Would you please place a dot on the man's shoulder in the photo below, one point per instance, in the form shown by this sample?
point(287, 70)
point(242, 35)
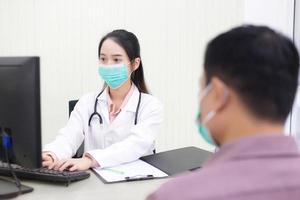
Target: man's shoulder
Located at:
point(232, 179)
point(186, 186)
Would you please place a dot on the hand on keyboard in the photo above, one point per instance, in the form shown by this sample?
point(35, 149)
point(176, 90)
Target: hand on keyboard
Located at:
point(48, 160)
point(43, 174)
point(74, 164)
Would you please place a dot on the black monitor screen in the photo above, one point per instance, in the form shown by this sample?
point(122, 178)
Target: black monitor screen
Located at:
point(20, 110)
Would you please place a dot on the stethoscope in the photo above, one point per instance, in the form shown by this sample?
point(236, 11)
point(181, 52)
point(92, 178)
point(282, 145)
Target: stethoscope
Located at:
point(95, 113)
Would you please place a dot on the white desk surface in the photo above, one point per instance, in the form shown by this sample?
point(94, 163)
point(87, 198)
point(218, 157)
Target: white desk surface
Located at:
point(91, 188)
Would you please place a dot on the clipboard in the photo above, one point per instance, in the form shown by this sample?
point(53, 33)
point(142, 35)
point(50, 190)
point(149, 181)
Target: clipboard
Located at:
point(177, 161)
point(133, 171)
point(159, 165)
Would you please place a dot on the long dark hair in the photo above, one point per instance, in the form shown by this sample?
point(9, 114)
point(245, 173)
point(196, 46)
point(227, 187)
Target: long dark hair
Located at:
point(129, 42)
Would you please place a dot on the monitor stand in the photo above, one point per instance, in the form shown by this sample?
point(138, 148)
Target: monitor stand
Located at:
point(8, 188)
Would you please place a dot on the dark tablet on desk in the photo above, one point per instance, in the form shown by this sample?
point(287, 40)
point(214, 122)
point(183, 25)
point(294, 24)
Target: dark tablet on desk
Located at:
point(178, 160)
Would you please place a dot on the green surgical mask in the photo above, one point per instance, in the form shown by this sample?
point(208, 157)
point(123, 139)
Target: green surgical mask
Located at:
point(202, 129)
point(114, 75)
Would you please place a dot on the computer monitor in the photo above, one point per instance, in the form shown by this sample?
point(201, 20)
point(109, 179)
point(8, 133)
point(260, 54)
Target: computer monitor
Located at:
point(20, 114)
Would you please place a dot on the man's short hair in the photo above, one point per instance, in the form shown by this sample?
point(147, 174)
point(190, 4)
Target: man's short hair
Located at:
point(260, 65)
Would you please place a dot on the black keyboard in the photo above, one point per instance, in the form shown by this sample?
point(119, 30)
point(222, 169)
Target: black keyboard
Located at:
point(43, 174)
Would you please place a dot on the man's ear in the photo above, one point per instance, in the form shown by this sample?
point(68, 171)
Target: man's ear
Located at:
point(221, 93)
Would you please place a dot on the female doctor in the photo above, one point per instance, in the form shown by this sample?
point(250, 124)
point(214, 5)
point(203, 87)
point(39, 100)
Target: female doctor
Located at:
point(119, 123)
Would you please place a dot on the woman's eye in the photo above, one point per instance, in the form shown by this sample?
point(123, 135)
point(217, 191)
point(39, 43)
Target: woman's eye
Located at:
point(102, 59)
point(117, 60)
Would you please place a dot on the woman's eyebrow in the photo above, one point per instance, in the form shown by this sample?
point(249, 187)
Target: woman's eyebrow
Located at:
point(117, 55)
point(114, 55)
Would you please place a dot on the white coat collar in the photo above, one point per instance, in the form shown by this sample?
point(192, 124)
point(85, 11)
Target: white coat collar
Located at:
point(131, 104)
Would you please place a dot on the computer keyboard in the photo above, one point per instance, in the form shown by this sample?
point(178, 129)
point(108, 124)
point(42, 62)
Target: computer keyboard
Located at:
point(43, 174)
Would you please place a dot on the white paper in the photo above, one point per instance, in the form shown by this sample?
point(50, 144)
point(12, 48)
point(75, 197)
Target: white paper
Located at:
point(132, 169)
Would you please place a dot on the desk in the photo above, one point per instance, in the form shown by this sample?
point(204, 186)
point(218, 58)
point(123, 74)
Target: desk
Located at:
point(91, 188)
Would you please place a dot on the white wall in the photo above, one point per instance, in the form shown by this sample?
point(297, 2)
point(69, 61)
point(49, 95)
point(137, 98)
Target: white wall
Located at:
point(277, 14)
point(65, 34)
point(297, 24)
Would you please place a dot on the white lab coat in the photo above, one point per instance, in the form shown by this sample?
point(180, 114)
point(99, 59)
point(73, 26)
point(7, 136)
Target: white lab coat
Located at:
point(114, 143)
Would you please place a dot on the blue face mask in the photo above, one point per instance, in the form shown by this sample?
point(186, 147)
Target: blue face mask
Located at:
point(114, 75)
point(202, 129)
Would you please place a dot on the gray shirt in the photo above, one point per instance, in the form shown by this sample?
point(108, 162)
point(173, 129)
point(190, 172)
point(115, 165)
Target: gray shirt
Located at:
point(256, 167)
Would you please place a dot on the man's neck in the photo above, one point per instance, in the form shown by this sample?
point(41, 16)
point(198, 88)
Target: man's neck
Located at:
point(249, 128)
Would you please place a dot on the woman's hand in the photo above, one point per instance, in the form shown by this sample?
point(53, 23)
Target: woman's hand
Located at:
point(73, 164)
point(48, 160)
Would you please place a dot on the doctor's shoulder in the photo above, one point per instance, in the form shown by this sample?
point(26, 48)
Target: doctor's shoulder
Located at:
point(86, 102)
point(151, 103)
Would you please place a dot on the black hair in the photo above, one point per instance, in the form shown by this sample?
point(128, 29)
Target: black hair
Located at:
point(129, 42)
point(260, 65)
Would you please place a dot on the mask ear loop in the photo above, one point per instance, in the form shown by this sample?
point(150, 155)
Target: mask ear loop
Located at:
point(202, 95)
point(212, 113)
point(209, 116)
point(226, 98)
point(205, 91)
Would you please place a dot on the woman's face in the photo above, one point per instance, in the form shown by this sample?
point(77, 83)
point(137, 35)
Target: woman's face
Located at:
point(112, 53)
